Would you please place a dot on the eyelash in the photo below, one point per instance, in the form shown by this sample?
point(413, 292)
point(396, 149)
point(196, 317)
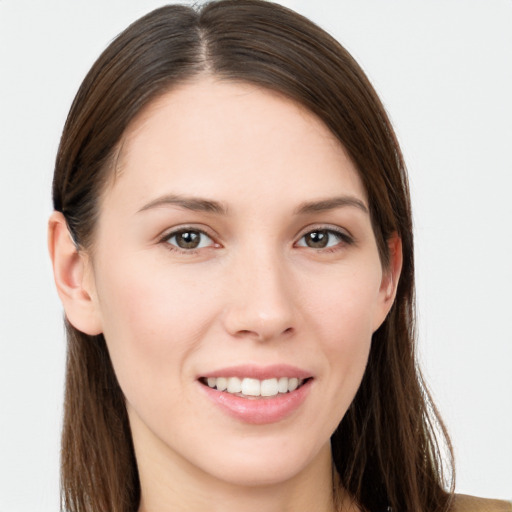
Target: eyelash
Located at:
point(343, 239)
point(174, 248)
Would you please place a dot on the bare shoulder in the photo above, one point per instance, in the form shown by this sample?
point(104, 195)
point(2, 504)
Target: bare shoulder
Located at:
point(465, 503)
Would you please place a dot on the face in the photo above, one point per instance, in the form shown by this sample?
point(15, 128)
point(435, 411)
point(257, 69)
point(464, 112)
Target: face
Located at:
point(234, 249)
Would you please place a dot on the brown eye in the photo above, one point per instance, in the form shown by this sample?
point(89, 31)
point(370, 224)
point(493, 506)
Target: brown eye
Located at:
point(317, 239)
point(323, 238)
point(189, 239)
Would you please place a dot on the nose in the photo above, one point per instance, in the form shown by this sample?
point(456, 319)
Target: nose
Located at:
point(261, 298)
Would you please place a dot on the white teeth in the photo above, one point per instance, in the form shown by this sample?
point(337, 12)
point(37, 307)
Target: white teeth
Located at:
point(293, 384)
point(269, 387)
point(251, 387)
point(234, 385)
point(254, 387)
point(222, 383)
point(282, 385)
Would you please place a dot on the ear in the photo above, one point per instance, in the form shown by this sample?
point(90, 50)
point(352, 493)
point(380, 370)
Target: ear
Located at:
point(70, 273)
point(390, 278)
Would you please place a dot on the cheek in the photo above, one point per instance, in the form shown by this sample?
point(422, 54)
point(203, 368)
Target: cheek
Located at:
point(346, 305)
point(151, 322)
point(343, 315)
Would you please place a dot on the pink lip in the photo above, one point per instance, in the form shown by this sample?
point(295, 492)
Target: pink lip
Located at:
point(260, 372)
point(263, 410)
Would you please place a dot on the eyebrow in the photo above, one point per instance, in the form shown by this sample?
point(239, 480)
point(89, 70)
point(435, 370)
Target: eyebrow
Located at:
point(199, 204)
point(330, 204)
point(196, 204)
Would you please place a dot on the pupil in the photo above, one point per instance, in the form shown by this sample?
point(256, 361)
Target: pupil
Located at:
point(317, 239)
point(188, 239)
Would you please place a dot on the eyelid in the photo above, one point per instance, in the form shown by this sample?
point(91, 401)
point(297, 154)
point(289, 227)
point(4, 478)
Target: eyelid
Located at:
point(325, 227)
point(176, 230)
point(344, 234)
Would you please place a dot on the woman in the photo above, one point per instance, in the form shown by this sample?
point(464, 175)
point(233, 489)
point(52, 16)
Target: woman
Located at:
point(232, 244)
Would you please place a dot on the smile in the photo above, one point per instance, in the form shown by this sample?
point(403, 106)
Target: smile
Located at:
point(258, 395)
point(253, 388)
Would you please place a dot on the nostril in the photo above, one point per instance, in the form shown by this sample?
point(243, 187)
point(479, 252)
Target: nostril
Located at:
point(264, 334)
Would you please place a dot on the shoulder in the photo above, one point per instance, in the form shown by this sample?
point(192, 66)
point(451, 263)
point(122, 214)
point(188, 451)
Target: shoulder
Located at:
point(465, 503)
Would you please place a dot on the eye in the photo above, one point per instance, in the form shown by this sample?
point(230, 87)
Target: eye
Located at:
point(189, 239)
point(323, 239)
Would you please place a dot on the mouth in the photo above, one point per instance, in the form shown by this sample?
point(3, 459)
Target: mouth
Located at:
point(255, 389)
point(258, 395)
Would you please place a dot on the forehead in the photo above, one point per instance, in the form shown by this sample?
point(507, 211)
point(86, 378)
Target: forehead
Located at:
point(234, 140)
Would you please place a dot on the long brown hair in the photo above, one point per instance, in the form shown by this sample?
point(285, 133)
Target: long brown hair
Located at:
point(391, 447)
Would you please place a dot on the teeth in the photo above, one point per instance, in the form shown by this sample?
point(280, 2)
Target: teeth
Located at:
point(293, 384)
point(254, 387)
point(222, 384)
point(282, 385)
point(251, 387)
point(269, 387)
point(234, 385)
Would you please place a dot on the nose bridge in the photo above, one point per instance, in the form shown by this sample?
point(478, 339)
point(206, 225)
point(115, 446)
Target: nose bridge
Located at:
point(261, 303)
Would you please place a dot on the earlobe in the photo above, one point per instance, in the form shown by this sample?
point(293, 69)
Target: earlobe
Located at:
point(390, 278)
point(69, 270)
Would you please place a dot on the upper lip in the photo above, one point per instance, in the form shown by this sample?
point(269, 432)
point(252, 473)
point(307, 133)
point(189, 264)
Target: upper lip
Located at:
point(259, 372)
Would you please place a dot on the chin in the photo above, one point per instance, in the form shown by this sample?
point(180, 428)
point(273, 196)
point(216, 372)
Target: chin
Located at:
point(262, 474)
point(259, 465)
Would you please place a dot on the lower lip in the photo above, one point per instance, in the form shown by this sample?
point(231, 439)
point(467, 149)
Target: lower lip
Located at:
point(259, 411)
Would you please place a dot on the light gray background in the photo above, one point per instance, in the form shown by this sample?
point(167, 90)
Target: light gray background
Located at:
point(444, 71)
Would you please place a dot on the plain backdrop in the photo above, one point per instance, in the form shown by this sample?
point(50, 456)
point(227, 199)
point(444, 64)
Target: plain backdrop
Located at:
point(444, 71)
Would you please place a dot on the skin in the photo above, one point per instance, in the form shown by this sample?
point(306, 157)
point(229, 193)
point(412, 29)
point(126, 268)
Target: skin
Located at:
point(253, 292)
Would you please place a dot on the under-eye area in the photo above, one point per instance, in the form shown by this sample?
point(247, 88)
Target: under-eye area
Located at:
point(255, 388)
